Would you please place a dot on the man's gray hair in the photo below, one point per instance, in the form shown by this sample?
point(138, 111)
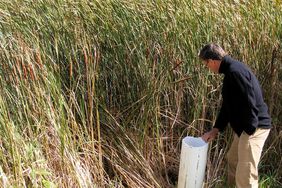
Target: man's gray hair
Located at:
point(212, 51)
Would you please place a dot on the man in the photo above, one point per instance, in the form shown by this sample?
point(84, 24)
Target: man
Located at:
point(244, 109)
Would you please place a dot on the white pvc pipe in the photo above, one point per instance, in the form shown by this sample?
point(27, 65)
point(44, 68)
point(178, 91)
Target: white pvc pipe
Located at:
point(193, 160)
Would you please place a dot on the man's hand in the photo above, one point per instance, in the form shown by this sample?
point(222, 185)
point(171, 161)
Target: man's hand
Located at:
point(209, 136)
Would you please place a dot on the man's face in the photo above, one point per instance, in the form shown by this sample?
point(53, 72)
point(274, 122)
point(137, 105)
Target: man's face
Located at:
point(212, 65)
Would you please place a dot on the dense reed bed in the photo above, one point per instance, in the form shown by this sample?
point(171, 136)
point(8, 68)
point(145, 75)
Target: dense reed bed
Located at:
point(100, 93)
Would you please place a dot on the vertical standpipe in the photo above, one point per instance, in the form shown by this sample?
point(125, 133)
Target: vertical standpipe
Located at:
point(193, 160)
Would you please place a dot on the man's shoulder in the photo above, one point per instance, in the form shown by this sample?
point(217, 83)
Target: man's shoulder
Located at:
point(239, 69)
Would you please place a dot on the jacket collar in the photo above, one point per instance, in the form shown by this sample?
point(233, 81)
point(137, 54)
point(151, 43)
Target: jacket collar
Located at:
point(225, 64)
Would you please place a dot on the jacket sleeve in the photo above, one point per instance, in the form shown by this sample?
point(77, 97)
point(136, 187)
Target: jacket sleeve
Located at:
point(246, 90)
point(222, 118)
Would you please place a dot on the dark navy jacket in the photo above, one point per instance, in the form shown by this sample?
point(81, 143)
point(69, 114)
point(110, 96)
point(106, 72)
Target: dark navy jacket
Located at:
point(243, 105)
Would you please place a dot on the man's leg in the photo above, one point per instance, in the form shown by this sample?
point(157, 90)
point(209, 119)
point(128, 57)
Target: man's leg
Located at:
point(249, 152)
point(232, 160)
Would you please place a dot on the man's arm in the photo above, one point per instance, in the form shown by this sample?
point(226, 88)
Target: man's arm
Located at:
point(220, 124)
point(222, 118)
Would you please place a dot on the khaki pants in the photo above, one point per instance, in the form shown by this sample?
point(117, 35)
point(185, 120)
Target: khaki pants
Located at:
point(243, 158)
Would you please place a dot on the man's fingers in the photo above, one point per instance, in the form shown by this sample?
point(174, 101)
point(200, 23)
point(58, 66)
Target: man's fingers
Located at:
point(205, 138)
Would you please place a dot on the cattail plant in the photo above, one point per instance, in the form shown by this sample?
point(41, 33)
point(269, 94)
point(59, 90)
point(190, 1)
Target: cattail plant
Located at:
point(100, 93)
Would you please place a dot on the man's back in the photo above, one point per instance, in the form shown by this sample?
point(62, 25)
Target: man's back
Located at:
point(242, 93)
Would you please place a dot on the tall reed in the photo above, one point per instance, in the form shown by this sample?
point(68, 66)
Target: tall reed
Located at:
point(100, 93)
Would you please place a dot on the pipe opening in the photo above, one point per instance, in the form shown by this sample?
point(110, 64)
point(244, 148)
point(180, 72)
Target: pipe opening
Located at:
point(194, 142)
